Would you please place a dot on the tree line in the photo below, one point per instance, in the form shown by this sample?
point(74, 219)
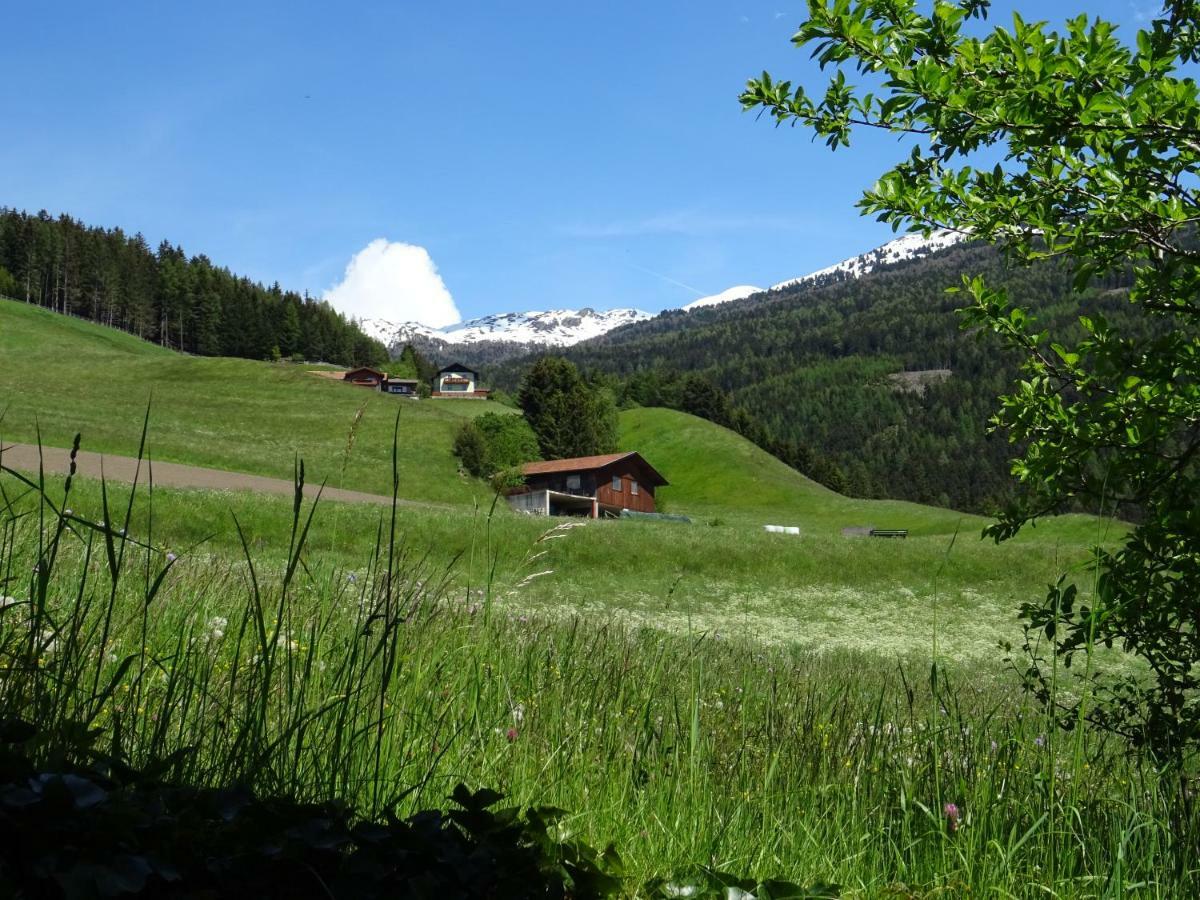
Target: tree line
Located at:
point(184, 302)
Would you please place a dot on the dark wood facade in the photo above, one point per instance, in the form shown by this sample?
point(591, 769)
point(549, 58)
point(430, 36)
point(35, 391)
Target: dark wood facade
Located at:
point(365, 376)
point(614, 482)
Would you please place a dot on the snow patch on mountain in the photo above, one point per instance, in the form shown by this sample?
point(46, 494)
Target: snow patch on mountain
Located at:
point(910, 246)
point(740, 292)
point(555, 327)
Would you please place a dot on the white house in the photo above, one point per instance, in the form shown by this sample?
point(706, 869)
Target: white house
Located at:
point(458, 381)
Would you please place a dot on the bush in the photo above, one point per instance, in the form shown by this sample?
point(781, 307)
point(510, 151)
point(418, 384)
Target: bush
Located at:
point(494, 442)
point(471, 449)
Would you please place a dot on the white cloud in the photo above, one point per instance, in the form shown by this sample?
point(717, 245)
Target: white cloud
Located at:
point(394, 281)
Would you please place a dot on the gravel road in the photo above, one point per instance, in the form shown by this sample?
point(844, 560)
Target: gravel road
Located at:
point(24, 457)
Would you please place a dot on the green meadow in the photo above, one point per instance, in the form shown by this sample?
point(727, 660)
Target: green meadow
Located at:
point(63, 376)
point(722, 574)
point(703, 695)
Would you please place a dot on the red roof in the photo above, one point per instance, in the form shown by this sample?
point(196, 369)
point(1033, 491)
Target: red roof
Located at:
point(589, 463)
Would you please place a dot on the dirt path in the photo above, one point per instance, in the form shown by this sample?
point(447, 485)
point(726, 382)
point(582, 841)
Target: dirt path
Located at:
point(124, 468)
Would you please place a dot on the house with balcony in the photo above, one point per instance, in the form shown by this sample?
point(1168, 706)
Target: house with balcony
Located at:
point(591, 486)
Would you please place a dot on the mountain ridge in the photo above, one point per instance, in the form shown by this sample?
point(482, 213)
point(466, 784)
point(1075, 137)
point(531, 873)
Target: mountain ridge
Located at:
point(553, 327)
point(527, 331)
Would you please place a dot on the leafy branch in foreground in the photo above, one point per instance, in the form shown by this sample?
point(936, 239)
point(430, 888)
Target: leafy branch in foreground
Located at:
point(1075, 146)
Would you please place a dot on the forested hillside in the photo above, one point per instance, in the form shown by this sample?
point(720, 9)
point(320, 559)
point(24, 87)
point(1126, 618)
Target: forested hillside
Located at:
point(818, 365)
point(187, 303)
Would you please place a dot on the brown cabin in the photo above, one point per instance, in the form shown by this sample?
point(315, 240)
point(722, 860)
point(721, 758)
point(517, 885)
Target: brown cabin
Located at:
point(591, 486)
point(365, 376)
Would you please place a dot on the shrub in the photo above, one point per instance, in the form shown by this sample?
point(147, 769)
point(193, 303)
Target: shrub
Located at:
point(494, 442)
point(470, 447)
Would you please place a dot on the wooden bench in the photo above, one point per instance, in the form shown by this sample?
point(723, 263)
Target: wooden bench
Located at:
point(889, 532)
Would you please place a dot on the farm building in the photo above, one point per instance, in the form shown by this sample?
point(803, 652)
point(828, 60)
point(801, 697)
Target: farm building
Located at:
point(591, 486)
point(458, 381)
point(365, 376)
point(404, 387)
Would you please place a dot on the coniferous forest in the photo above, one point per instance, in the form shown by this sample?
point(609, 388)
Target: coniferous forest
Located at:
point(869, 385)
point(188, 303)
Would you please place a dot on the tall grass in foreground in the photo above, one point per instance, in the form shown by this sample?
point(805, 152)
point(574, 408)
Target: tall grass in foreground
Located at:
point(382, 687)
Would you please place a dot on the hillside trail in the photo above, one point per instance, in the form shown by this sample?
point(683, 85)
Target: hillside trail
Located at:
point(125, 469)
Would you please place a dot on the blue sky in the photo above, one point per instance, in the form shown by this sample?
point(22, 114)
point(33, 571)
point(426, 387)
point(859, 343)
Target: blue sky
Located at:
point(543, 155)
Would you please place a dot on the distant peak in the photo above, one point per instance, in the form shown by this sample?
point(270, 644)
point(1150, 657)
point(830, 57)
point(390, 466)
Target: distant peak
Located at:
point(906, 247)
point(553, 327)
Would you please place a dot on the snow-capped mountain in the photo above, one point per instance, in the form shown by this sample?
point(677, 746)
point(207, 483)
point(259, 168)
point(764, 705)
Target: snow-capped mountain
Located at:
point(556, 327)
point(511, 333)
point(910, 246)
point(734, 293)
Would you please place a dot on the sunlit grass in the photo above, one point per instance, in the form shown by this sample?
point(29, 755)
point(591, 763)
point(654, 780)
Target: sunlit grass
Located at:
point(385, 683)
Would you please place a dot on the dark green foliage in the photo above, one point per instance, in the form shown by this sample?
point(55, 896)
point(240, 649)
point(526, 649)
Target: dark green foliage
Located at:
point(808, 367)
point(411, 363)
point(1100, 146)
point(164, 296)
point(510, 440)
point(8, 284)
point(471, 449)
point(494, 442)
point(569, 416)
point(102, 830)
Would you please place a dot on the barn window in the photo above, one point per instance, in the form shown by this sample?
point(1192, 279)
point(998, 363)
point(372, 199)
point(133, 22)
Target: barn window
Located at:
point(616, 485)
point(633, 488)
point(572, 482)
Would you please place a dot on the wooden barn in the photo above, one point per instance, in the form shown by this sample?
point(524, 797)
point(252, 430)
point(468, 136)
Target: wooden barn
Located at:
point(365, 376)
point(592, 486)
point(457, 381)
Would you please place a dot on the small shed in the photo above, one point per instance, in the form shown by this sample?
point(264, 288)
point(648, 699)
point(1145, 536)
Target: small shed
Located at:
point(365, 376)
point(403, 387)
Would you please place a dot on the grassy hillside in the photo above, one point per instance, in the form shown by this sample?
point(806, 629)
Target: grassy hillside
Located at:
point(64, 375)
point(717, 474)
point(811, 363)
point(723, 573)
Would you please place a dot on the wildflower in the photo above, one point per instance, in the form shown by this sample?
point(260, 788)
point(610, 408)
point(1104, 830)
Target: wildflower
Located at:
point(518, 713)
point(68, 512)
point(950, 810)
point(351, 577)
point(171, 557)
point(511, 734)
point(1040, 740)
